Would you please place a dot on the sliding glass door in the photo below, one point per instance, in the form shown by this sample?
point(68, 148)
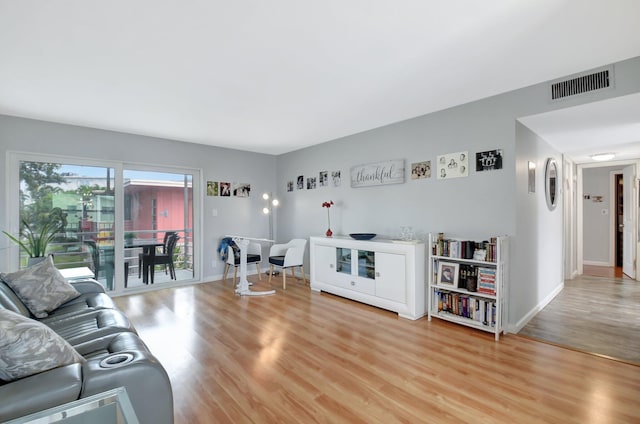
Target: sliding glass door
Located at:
point(158, 207)
point(74, 207)
point(130, 227)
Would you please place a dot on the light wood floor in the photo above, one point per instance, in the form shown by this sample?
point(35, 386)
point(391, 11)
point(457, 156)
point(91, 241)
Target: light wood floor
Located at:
point(600, 315)
point(305, 357)
point(603, 271)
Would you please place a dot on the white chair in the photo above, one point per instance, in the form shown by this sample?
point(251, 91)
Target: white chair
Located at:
point(289, 255)
point(254, 255)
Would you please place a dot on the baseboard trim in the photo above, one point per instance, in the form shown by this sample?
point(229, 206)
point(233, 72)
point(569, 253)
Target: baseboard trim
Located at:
point(515, 328)
point(596, 263)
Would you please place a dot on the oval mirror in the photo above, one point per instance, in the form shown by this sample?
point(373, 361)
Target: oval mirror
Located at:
point(551, 183)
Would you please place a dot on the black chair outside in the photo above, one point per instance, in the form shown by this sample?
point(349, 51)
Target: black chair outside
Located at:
point(152, 259)
point(165, 242)
point(104, 262)
point(95, 256)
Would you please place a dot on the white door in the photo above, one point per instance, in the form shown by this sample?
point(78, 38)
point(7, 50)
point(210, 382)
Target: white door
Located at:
point(628, 233)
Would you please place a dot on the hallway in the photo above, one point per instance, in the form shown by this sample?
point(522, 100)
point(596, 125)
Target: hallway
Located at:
point(594, 314)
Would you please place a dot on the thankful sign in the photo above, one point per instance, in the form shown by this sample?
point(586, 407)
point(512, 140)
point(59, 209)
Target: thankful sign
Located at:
point(379, 173)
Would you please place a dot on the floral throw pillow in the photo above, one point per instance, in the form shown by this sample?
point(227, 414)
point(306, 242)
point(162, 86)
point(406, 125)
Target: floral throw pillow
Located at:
point(41, 287)
point(29, 347)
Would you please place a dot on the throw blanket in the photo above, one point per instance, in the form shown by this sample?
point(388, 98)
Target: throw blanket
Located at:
point(223, 249)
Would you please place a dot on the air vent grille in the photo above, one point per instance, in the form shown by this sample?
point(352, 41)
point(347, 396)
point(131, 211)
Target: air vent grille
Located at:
point(582, 84)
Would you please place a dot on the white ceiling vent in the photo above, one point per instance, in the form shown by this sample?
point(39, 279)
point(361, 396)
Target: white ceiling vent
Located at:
point(582, 84)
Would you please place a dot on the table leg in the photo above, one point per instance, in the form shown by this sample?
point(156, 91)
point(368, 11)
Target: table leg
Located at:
point(243, 285)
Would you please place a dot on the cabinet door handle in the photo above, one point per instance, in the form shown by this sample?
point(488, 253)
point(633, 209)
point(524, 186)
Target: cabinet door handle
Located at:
point(377, 274)
point(330, 265)
point(353, 283)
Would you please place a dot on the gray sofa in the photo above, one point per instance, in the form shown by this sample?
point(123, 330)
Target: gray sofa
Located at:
point(110, 352)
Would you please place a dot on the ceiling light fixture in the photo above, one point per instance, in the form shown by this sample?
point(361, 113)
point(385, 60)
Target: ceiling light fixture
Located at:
point(603, 156)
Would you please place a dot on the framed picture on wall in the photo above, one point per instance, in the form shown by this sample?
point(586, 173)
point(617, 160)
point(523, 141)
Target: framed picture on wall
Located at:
point(336, 178)
point(453, 165)
point(225, 188)
point(323, 178)
point(212, 188)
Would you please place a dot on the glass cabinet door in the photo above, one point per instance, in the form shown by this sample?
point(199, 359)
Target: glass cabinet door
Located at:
point(343, 260)
point(366, 264)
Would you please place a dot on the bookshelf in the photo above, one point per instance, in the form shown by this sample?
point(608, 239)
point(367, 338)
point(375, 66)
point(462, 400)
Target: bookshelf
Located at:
point(467, 282)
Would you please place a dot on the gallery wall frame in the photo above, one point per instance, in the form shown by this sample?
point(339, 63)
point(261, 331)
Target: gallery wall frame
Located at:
point(453, 165)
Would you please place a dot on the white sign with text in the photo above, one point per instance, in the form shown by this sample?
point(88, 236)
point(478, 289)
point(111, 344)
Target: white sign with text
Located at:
point(379, 173)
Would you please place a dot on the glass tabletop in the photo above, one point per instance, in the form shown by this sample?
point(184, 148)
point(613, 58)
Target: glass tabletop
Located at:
point(111, 407)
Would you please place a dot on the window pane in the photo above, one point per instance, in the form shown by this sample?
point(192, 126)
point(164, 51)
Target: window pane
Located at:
point(73, 208)
point(159, 204)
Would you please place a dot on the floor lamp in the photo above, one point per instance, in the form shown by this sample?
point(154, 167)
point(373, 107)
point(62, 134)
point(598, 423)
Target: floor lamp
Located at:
point(271, 203)
point(269, 210)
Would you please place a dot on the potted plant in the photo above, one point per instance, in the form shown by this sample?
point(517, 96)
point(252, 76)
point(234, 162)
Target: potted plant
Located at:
point(34, 239)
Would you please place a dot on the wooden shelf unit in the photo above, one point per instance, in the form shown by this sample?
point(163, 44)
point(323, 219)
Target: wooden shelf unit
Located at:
point(467, 307)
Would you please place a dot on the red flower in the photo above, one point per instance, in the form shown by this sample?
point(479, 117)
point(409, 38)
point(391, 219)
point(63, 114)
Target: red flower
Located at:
point(327, 204)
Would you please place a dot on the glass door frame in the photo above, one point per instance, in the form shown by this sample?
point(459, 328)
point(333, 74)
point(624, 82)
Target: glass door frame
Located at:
point(12, 208)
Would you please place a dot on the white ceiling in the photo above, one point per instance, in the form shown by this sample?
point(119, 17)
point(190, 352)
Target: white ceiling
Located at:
point(279, 75)
point(609, 126)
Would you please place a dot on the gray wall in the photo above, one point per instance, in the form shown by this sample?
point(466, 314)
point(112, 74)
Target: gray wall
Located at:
point(596, 226)
point(479, 206)
point(235, 215)
point(537, 249)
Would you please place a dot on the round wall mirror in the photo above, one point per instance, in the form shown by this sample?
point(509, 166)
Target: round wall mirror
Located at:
point(551, 183)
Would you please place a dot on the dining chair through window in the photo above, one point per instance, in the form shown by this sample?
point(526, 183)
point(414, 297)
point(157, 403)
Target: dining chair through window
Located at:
point(165, 241)
point(150, 260)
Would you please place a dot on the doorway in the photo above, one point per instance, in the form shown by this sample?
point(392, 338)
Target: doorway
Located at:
point(606, 221)
point(618, 182)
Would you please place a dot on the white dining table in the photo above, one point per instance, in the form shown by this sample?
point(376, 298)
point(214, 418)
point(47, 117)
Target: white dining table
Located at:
point(242, 288)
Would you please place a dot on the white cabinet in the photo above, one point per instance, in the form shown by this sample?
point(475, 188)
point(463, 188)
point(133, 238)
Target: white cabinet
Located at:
point(384, 273)
point(390, 269)
point(467, 289)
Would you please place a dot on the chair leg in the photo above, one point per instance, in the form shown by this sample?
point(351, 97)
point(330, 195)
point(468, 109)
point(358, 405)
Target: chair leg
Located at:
point(304, 278)
point(258, 268)
point(284, 279)
point(226, 270)
point(235, 274)
point(270, 271)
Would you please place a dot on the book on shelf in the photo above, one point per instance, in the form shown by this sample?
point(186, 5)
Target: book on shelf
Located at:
point(485, 250)
point(482, 311)
point(467, 277)
point(487, 280)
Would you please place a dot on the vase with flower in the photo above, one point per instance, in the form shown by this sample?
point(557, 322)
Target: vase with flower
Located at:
point(328, 205)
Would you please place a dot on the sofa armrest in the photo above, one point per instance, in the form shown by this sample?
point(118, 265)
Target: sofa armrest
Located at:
point(140, 373)
point(88, 286)
point(40, 391)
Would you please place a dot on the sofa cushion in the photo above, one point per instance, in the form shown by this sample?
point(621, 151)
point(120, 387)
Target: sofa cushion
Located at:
point(9, 300)
point(89, 325)
point(29, 347)
point(41, 287)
